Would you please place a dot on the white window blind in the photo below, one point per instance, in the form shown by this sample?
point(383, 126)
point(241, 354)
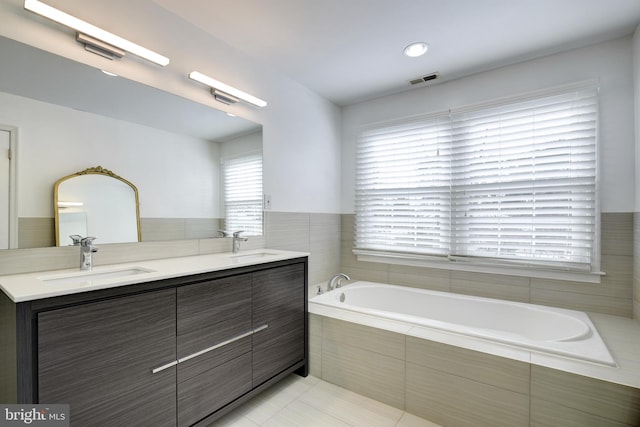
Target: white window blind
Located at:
point(402, 188)
point(514, 182)
point(242, 182)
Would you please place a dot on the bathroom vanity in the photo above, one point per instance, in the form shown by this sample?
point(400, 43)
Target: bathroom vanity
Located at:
point(179, 343)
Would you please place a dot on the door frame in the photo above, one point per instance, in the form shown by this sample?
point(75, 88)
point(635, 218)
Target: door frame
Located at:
point(13, 194)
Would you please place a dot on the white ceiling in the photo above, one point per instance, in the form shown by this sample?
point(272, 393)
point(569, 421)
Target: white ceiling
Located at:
point(351, 50)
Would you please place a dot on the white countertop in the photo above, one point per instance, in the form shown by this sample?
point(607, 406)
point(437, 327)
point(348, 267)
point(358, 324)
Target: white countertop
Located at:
point(32, 286)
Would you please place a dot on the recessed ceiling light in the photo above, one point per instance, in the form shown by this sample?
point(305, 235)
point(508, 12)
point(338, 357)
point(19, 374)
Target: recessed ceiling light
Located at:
point(416, 49)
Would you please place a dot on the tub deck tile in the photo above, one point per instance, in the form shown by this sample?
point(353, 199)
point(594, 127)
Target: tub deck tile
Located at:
point(485, 368)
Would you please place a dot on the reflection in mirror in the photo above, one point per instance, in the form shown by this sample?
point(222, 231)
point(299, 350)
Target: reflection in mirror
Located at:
point(59, 106)
point(96, 202)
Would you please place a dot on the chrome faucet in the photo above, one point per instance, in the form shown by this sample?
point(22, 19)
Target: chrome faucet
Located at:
point(336, 281)
point(236, 241)
point(86, 251)
point(75, 238)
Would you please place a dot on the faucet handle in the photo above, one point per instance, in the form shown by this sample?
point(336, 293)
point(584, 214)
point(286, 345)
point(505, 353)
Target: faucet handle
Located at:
point(76, 238)
point(237, 233)
point(87, 241)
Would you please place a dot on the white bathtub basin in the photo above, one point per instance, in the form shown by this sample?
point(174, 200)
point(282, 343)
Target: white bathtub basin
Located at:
point(548, 330)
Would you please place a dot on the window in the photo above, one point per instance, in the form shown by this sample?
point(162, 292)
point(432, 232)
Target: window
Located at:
point(242, 182)
point(507, 183)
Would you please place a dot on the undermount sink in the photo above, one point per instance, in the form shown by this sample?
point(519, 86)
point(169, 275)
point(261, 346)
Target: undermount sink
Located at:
point(253, 255)
point(91, 276)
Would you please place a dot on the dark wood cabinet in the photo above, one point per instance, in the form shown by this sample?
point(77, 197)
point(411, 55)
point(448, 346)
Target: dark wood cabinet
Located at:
point(279, 302)
point(98, 358)
point(214, 345)
point(176, 352)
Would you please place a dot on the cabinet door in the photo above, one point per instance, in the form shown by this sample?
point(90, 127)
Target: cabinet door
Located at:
point(98, 357)
point(278, 302)
point(214, 345)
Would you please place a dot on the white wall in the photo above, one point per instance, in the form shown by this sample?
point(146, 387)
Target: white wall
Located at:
point(301, 129)
point(242, 145)
point(177, 178)
point(610, 62)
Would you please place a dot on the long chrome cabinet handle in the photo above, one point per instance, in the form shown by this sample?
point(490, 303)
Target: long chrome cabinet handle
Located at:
point(163, 367)
point(260, 328)
point(208, 349)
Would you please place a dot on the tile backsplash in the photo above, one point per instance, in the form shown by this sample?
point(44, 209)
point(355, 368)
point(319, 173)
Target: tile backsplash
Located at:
point(614, 295)
point(329, 240)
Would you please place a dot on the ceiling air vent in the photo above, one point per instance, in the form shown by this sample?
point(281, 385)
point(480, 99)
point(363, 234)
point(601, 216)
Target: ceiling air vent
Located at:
point(423, 79)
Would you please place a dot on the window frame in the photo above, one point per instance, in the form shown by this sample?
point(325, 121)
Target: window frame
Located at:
point(527, 268)
point(252, 230)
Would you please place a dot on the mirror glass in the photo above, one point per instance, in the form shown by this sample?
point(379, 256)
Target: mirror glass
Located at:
point(96, 202)
point(70, 117)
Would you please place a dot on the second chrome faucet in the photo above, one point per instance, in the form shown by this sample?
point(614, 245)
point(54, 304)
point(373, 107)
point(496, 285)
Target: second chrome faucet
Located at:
point(236, 241)
point(86, 253)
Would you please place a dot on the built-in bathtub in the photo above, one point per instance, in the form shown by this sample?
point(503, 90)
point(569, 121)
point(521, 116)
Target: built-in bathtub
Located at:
point(459, 360)
point(541, 329)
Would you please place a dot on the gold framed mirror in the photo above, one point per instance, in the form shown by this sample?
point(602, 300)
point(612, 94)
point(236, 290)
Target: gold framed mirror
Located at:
point(96, 202)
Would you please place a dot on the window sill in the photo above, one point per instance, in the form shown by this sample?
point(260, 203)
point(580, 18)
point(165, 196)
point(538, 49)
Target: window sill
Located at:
point(477, 267)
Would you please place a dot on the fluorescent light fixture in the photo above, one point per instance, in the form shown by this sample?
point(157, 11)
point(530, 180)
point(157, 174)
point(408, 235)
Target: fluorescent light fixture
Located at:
point(222, 87)
point(416, 49)
point(83, 27)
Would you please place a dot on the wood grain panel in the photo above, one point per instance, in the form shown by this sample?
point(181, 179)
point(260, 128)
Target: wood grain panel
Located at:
point(98, 357)
point(208, 303)
point(202, 395)
point(279, 301)
point(212, 312)
point(8, 351)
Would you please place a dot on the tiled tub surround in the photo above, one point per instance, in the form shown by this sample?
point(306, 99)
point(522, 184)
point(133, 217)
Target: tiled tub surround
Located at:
point(636, 265)
point(613, 296)
point(455, 386)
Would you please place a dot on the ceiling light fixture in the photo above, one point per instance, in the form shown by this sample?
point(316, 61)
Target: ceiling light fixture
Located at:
point(416, 49)
point(225, 93)
point(95, 39)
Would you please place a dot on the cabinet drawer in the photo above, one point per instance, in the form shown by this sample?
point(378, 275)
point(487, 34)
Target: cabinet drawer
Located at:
point(211, 312)
point(200, 364)
point(206, 393)
point(98, 358)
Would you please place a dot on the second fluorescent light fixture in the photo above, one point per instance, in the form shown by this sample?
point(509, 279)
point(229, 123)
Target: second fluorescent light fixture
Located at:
point(83, 27)
point(222, 87)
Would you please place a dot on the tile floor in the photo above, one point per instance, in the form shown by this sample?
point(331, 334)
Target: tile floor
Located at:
point(311, 402)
